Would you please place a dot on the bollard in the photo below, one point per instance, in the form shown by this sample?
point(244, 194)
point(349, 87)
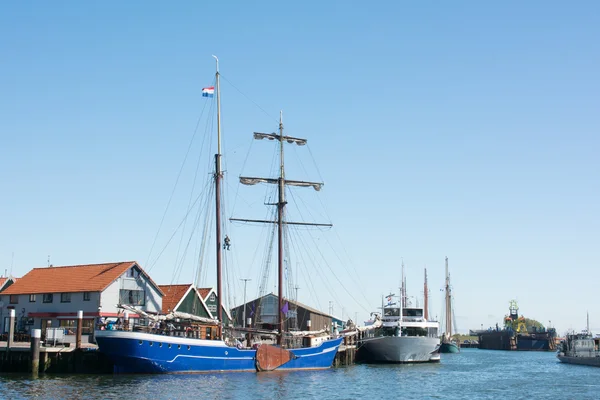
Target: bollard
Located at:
point(79, 329)
point(11, 330)
point(36, 334)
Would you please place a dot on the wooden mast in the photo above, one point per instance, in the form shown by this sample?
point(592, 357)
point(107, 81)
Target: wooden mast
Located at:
point(218, 177)
point(280, 209)
point(281, 203)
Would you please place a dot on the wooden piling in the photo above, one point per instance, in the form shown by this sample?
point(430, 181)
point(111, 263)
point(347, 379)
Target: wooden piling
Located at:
point(11, 330)
point(79, 329)
point(36, 335)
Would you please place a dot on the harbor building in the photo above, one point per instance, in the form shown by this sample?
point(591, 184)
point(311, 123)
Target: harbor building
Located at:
point(262, 313)
point(50, 297)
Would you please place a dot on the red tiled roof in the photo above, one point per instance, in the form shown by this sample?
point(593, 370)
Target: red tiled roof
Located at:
point(173, 295)
point(204, 292)
point(69, 279)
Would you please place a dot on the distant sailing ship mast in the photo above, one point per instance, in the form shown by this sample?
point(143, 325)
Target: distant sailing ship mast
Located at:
point(281, 181)
point(426, 297)
point(447, 345)
point(403, 289)
point(448, 333)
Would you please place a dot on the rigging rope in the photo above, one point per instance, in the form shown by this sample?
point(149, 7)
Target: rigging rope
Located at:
point(247, 97)
point(208, 127)
point(162, 220)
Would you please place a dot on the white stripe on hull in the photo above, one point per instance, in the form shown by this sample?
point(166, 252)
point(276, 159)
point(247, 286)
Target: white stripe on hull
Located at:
point(153, 337)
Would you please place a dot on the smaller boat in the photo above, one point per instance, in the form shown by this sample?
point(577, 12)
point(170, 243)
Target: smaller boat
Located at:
point(580, 348)
point(448, 344)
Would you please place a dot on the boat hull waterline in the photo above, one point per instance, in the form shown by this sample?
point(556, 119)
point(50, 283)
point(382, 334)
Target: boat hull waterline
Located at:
point(449, 348)
point(400, 349)
point(139, 352)
point(589, 361)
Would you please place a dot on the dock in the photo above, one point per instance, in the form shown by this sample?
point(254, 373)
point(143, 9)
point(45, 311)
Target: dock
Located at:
point(346, 354)
point(56, 359)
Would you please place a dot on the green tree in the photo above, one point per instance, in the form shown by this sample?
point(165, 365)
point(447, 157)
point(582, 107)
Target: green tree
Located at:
point(532, 323)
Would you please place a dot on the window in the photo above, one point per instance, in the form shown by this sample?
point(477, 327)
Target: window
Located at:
point(212, 308)
point(86, 296)
point(412, 312)
point(65, 297)
point(133, 272)
point(213, 297)
point(14, 299)
point(47, 298)
point(132, 297)
point(32, 298)
point(70, 326)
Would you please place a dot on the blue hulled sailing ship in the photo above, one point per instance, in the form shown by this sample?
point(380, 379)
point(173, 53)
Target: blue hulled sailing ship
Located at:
point(202, 345)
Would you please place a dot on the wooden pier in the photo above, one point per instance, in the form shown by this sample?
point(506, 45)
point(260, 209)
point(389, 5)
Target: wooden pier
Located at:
point(61, 359)
point(346, 354)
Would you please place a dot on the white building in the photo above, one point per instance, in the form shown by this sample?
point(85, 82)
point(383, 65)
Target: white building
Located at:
point(50, 297)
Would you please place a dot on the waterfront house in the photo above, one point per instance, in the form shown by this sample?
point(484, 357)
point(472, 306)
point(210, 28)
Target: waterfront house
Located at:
point(183, 298)
point(263, 313)
point(6, 281)
point(209, 295)
point(51, 297)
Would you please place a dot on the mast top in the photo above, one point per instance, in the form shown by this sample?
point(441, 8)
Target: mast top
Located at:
point(217, 59)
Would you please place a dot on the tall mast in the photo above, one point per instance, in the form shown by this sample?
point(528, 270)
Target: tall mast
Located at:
point(280, 221)
point(448, 304)
point(280, 207)
point(403, 291)
point(218, 177)
point(588, 323)
point(426, 297)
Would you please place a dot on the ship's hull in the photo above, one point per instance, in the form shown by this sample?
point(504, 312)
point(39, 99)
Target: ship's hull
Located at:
point(449, 347)
point(591, 361)
point(534, 344)
point(399, 349)
point(496, 340)
point(507, 340)
point(138, 352)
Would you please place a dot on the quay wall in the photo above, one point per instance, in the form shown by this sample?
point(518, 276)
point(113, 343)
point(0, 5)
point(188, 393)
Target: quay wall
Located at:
point(55, 360)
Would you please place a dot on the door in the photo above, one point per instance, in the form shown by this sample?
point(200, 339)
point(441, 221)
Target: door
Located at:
point(46, 323)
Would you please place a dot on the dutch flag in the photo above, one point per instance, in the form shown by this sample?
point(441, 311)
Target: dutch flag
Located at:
point(208, 91)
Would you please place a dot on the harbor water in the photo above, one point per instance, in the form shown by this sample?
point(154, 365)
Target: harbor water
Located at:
point(471, 374)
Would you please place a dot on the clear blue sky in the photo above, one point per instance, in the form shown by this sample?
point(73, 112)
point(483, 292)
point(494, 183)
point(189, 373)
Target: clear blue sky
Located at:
point(462, 129)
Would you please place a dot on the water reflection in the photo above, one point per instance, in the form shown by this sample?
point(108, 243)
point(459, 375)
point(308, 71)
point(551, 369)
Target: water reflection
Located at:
point(472, 374)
